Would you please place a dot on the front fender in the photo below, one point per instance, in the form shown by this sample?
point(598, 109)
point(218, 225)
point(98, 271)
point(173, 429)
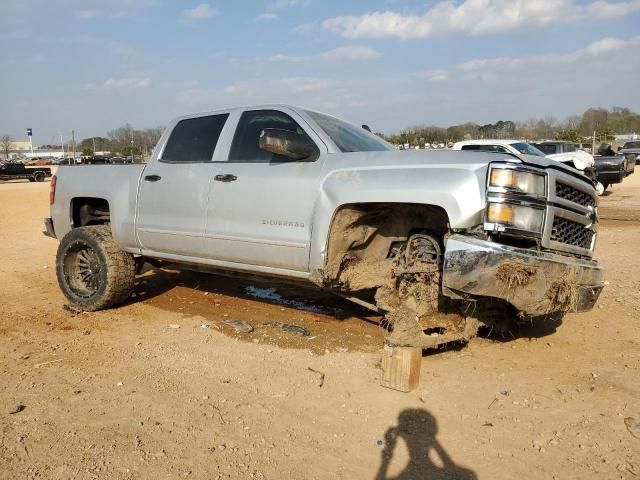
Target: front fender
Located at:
point(458, 190)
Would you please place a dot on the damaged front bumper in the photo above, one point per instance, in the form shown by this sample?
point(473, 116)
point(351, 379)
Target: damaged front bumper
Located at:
point(536, 283)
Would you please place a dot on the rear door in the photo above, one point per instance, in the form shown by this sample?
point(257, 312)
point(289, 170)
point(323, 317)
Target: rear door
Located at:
point(174, 190)
point(261, 204)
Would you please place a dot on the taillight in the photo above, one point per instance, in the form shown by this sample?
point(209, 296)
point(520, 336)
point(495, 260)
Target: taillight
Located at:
point(52, 192)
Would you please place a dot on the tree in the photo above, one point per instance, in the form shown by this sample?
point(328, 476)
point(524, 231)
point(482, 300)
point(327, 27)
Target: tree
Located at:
point(5, 144)
point(94, 144)
point(592, 120)
point(569, 135)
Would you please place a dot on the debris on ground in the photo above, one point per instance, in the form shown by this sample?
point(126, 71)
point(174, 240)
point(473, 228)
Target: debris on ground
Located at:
point(633, 425)
point(239, 325)
point(272, 295)
point(18, 408)
point(174, 326)
point(38, 365)
point(319, 373)
point(295, 329)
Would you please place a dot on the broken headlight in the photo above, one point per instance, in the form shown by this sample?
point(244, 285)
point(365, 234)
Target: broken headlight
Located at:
point(502, 216)
point(520, 181)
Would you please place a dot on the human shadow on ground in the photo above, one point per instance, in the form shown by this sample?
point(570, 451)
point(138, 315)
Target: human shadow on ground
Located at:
point(418, 429)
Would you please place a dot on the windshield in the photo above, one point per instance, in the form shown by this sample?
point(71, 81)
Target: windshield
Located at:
point(631, 145)
point(527, 149)
point(348, 137)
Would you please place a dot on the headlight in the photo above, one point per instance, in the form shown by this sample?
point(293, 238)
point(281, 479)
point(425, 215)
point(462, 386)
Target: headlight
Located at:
point(515, 216)
point(518, 180)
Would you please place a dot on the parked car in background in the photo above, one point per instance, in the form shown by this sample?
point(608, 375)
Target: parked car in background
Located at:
point(552, 147)
point(516, 147)
point(569, 157)
point(18, 171)
point(631, 148)
point(628, 159)
point(610, 169)
point(587, 147)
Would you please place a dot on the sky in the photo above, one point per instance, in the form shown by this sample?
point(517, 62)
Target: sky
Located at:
point(93, 65)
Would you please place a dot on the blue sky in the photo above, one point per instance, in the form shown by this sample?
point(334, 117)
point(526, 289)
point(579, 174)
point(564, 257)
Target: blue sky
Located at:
point(92, 65)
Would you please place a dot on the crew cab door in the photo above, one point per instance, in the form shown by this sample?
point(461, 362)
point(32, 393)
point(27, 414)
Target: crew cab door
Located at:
point(174, 189)
point(261, 204)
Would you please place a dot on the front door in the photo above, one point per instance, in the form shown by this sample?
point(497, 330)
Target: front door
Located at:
point(175, 188)
point(262, 203)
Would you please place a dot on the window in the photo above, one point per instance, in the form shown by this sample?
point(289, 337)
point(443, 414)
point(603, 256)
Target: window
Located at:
point(548, 149)
point(194, 139)
point(631, 145)
point(348, 137)
point(246, 141)
point(527, 149)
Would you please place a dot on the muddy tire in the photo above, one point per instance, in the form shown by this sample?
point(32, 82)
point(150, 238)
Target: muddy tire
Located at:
point(38, 177)
point(93, 273)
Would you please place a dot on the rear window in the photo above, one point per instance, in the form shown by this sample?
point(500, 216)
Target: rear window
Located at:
point(194, 139)
point(632, 145)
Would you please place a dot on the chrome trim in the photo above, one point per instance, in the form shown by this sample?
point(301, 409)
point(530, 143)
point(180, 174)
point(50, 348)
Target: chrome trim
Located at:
point(476, 268)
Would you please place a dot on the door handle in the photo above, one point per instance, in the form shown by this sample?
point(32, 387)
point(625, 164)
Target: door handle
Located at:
point(153, 178)
point(228, 177)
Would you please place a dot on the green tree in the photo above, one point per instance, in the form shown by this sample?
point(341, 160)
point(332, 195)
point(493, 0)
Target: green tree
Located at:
point(569, 135)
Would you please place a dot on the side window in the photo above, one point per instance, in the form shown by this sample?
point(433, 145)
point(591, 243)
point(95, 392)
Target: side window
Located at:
point(194, 139)
point(246, 141)
point(470, 147)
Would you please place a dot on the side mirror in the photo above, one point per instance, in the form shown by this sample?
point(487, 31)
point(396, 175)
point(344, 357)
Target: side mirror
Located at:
point(287, 143)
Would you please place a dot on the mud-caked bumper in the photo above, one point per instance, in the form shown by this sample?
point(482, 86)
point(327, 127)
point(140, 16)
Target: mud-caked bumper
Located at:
point(535, 283)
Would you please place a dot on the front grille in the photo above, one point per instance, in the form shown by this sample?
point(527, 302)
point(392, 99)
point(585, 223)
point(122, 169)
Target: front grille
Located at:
point(574, 195)
point(571, 233)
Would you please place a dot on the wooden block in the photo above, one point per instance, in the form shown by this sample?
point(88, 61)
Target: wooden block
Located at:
point(401, 367)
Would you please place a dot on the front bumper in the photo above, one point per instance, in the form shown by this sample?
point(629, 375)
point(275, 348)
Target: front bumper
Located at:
point(536, 283)
point(48, 228)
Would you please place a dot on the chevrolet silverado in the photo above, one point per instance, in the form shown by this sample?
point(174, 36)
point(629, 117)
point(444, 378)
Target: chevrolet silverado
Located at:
point(288, 192)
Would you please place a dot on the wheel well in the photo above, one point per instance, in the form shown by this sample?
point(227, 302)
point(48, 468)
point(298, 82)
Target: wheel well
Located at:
point(365, 233)
point(87, 211)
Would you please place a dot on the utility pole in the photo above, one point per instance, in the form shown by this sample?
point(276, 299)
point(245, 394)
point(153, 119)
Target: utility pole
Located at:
point(29, 133)
point(62, 144)
point(94, 145)
point(132, 146)
point(73, 143)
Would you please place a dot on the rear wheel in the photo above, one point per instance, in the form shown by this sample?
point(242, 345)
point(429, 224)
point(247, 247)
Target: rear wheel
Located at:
point(93, 273)
point(38, 177)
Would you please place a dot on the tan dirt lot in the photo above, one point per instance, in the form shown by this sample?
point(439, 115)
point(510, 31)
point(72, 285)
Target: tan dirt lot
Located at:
point(120, 394)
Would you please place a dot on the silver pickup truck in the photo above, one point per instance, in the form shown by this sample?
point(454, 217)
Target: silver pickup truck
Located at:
point(287, 192)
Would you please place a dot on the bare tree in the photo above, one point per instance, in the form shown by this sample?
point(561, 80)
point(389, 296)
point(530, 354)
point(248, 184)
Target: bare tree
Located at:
point(5, 144)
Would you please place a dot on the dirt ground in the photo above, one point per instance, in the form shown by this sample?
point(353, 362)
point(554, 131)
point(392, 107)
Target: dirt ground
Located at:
point(125, 394)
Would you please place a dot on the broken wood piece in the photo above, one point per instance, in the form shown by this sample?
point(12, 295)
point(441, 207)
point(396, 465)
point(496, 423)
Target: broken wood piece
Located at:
point(401, 367)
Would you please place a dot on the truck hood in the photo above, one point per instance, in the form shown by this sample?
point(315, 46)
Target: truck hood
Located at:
point(470, 160)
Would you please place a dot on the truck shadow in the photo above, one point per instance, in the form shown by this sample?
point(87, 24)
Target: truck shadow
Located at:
point(418, 429)
point(181, 290)
point(156, 282)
